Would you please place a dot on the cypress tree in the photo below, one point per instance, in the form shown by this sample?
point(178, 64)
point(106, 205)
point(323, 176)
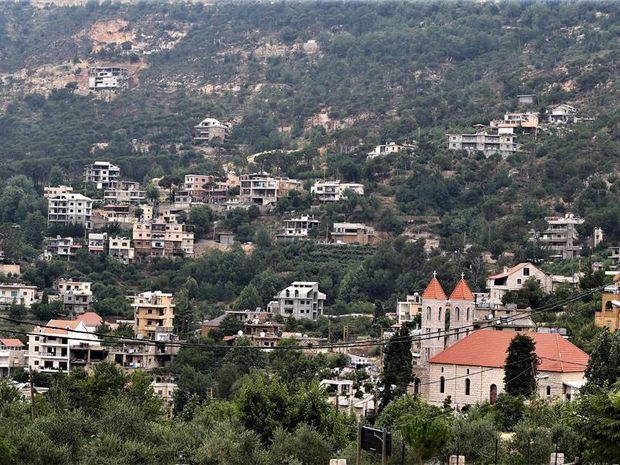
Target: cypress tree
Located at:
point(521, 367)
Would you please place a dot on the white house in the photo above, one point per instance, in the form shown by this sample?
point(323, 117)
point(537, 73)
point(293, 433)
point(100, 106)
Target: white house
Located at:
point(514, 279)
point(301, 300)
point(65, 209)
point(62, 345)
point(19, 294)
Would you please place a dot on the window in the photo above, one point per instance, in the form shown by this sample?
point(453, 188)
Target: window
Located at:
point(519, 281)
point(428, 313)
point(442, 385)
point(548, 390)
point(458, 313)
point(467, 386)
point(526, 271)
point(468, 315)
point(439, 316)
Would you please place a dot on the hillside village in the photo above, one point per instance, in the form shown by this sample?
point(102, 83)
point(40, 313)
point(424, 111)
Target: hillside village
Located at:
point(239, 253)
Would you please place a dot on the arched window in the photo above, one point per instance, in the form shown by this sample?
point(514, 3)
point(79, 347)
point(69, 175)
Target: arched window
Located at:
point(296, 293)
point(493, 393)
point(458, 313)
point(288, 293)
point(467, 313)
point(467, 386)
point(442, 385)
point(428, 313)
point(548, 390)
point(608, 305)
point(439, 317)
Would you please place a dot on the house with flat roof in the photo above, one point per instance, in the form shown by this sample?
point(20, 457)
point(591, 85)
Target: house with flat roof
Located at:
point(103, 174)
point(17, 294)
point(334, 191)
point(70, 208)
point(301, 300)
point(12, 356)
point(353, 233)
point(209, 129)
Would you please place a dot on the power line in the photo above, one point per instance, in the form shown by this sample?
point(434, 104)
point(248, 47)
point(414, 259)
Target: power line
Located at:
point(353, 344)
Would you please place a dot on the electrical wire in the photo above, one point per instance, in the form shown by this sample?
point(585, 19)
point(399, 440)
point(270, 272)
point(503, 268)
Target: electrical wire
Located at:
point(352, 344)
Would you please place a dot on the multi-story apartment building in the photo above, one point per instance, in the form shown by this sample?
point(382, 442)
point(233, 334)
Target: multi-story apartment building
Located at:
point(489, 144)
point(204, 188)
point(18, 294)
point(162, 239)
point(125, 192)
point(153, 313)
point(408, 309)
point(301, 300)
point(53, 191)
point(609, 314)
point(64, 248)
point(66, 209)
point(299, 228)
point(136, 355)
point(262, 189)
point(527, 122)
point(76, 296)
point(387, 149)
point(97, 243)
point(62, 345)
point(121, 249)
point(209, 129)
point(103, 174)
point(561, 237)
point(12, 356)
point(353, 233)
point(334, 191)
point(107, 78)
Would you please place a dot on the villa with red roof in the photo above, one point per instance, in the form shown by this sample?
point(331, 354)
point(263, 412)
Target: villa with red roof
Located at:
point(472, 370)
point(513, 279)
point(12, 355)
point(61, 345)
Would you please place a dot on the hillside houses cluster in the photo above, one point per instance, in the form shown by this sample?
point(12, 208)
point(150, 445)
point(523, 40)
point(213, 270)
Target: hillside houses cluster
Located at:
point(502, 136)
point(153, 227)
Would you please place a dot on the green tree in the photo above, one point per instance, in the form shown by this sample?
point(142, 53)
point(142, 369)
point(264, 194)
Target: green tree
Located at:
point(425, 436)
point(521, 367)
point(604, 363)
point(249, 299)
point(600, 425)
point(397, 366)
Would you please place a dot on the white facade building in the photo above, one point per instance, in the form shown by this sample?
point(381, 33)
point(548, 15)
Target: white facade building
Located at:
point(77, 296)
point(53, 191)
point(514, 279)
point(301, 300)
point(333, 191)
point(103, 174)
point(107, 78)
point(12, 356)
point(489, 144)
point(62, 345)
point(387, 149)
point(66, 209)
point(18, 294)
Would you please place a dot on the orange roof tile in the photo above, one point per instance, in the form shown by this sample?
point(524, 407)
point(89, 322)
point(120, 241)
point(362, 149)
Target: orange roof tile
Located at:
point(434, 290)
point(90, 319)
point(462, 292)
point(488, 348)
point(11, 342)
point(509, 271)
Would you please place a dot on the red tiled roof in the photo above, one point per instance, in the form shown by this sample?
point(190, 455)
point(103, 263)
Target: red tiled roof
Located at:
point(434, 290)
point(11, 342)
point(462, 291)
point(488, 348)
point(90, 319)
point(509, 271)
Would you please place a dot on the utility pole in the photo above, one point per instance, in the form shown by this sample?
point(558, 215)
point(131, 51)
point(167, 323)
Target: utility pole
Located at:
point(384, 448)
point(381, 345)
point(358, 458)
point(329, 334)
point(33, 411)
